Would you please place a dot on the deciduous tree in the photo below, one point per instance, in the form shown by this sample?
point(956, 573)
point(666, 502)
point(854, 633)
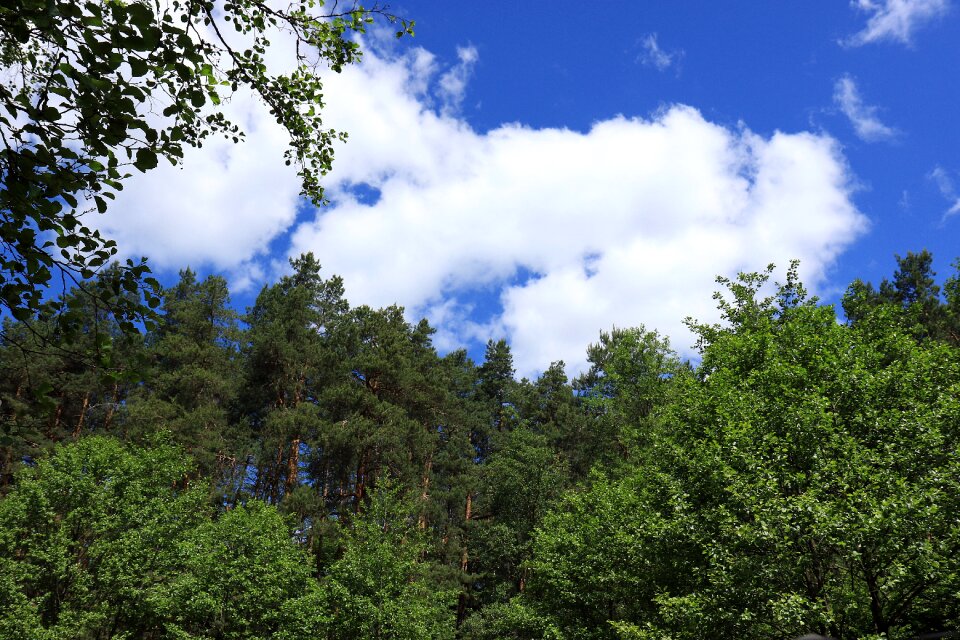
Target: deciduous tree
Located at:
point(95, 89)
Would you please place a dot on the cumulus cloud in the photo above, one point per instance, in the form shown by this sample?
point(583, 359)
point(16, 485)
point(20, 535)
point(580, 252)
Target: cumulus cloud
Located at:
point(653, 56)
point(895, 20)
point(220, 208)
point(626, 223)
point(863, 117)
point(947, 189)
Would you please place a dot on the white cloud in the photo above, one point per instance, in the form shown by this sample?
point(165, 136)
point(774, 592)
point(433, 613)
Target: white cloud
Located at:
point(947, 189)
point(452, 85)
point(221, 207)
point(863, 117)
point(895, 20)
point(654, 56)
point(624, 224)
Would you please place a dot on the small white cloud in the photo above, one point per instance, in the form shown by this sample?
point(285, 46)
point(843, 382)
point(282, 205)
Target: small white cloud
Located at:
point(895, 20)
point(863, 117)
point(452, 85)
point(947, 189)
point(904, 201)
point(653, 56)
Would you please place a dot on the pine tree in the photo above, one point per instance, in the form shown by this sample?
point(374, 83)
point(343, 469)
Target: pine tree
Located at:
point(191, 388)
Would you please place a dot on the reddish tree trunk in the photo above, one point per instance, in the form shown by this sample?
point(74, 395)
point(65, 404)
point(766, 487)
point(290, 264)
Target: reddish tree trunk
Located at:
point(83, 413)
point(425, 494)
point(464, 564)
point(293, 465)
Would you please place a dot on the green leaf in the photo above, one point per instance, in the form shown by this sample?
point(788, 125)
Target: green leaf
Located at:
point(51, 113)
point(146, 159)
point(138, 67)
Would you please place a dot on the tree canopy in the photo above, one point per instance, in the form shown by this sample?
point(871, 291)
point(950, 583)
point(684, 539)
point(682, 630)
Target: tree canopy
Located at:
point(803, 479)
point(314, 469)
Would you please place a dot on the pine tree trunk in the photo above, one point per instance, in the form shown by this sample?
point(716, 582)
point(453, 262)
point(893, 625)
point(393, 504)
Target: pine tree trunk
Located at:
point(464, 564)
point(5, 473)
point(57, 415)
point(326, 480)
point(83, 414)
point(275, 475)
point(241, 480)
point(425, 494)
point(361, 485)
point(293, 465)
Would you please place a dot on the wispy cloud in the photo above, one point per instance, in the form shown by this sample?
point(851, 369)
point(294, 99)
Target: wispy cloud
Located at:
point(863, 117)
point(452, 86)
point(653, 56)
point(947, 189)
point(895, 20)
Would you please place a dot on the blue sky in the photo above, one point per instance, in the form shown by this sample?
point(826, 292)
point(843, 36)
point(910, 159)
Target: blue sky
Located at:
point(770, 65)
point(543, 171)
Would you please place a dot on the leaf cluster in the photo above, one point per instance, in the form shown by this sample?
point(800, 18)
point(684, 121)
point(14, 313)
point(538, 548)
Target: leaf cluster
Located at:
point(95, 89)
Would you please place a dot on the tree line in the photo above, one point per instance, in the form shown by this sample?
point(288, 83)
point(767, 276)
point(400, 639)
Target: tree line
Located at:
point(312, 469)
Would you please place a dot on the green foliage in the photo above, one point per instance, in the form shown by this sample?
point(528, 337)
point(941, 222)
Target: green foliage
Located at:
point(50, 392)
point(606, 554)
point(802, 480)
point(803, 477)
point(192, 382)
point(914, 294)
point(82, 77)
point(292, 327)
point(630, 376)
point(105, 540)
point(516, 487)
point(89, 534)
point(377, 588)
point(238, 573)
point(513, 620)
